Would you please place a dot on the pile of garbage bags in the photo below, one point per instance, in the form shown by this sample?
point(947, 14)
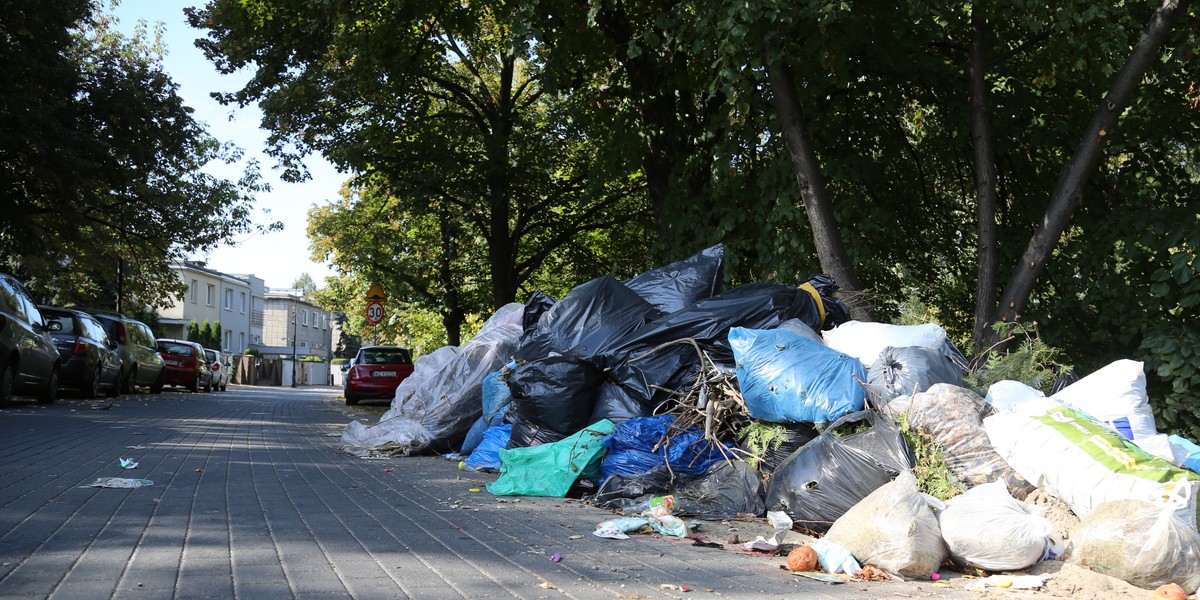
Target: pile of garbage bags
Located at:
point(612, 393)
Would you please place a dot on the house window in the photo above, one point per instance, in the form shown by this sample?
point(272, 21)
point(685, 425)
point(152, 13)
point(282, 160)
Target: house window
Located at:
point(324, 321)
point(208, 296)
point(304, 317)
point(228, 339)
point(228, 299)
point(241, 341)
point(243, 303)
point(192, 291)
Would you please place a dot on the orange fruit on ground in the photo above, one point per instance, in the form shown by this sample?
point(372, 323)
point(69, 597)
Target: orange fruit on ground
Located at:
point(803, 558)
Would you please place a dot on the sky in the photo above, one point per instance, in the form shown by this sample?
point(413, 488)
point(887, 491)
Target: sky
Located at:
point(276, 258)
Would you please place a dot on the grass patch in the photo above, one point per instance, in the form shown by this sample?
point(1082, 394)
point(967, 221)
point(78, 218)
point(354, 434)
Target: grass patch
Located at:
point(933, 476)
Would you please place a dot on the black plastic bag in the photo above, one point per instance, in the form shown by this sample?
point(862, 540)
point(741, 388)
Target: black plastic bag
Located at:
point(587, 321)
point(728, 490)
point(827, 476)
point(755, 305)
point(555, 392)
point(616, 405)
point(680, 284)
point(911, 370)
point(537, 305)
point(528, 433)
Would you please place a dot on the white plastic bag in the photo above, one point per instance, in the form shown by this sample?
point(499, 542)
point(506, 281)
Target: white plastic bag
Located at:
point(865, 341)
point(894, 529)
point(987, 529)
point(1083, 462)
point(1142, 543)
point(1012, 395)
point(1116, 395)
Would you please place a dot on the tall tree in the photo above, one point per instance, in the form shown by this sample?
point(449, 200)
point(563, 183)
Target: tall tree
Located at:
point(439, 101)
point(101, 163)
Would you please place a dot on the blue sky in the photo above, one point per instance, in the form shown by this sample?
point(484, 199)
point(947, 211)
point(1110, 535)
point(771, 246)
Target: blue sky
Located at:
point(278, 258)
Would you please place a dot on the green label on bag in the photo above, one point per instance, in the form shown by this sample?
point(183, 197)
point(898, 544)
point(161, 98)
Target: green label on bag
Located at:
point(1109, 448)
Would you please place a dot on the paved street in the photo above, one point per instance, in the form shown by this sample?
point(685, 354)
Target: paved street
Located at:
point(251, 499)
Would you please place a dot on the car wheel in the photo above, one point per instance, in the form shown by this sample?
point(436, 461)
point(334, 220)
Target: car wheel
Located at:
point(208, 387)
point(8, 378)
point(91, 388)
point(157, 386)
point(128, 380)
point(49, 393)
point(351, 399)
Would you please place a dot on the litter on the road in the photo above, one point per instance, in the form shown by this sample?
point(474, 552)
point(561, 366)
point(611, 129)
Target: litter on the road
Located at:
point(1015, 582)
point(128, 463)
point(120, 482)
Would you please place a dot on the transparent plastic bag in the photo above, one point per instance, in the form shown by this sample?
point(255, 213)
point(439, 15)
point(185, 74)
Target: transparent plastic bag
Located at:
point(1142, 543)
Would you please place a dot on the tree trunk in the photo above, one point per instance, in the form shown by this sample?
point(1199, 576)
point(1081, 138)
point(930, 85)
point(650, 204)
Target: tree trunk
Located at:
point(453, 313)
point(502, 246)
point(1068, 192)
point(830, 250)
point(985, 179)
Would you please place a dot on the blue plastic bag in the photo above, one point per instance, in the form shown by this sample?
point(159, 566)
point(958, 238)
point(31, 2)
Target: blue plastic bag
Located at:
point(496, 399)
point(486, 456)
point(786, 378)
point(631, 449)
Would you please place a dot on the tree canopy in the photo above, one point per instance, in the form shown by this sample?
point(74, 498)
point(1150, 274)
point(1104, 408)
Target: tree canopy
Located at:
point(1000, 162)
point(102, 179)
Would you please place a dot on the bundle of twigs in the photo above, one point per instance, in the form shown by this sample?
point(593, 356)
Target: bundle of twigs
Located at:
point(713, 403)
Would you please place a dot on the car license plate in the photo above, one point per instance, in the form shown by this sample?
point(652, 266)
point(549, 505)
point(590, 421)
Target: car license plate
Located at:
point(383, 374)
point(173, 363)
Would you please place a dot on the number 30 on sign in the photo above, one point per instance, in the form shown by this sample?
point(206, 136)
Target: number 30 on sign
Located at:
point(375, 312)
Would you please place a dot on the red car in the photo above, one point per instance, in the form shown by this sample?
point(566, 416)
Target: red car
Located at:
point(376, 372)
point(186, 366)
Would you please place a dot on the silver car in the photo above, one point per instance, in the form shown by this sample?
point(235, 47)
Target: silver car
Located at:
point(221, 367)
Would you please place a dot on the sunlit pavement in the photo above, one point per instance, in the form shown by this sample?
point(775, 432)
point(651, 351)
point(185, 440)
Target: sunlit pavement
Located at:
point(251, 499)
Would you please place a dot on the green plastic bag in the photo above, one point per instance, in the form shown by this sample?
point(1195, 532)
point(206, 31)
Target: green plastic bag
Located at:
point(551, 469)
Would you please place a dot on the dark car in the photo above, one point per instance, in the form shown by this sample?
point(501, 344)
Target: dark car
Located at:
point(28, 360)
point(376, 372)
point(89, 360)
point(141, 364)
point(186, 365)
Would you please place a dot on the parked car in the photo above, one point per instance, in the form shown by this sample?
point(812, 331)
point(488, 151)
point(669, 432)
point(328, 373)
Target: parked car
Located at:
point(187, 366)
point(141, 364)
point(89, 360)
point(219, 363)
point(375, 372)
point(28, 359)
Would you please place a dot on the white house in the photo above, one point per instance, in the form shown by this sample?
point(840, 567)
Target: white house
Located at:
point(215, 296)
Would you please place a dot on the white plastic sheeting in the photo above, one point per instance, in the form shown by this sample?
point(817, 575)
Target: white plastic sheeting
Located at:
point(865, 341)
point(436, 405)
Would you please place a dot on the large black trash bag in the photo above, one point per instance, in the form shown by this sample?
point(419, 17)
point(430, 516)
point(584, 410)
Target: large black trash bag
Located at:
point(827, 476)
point(836, 311)
point(557, 393)
point(911, 370)
point(587, 321)
point(536, 306)
point(616, 405)
point(680, 284)
point(755, 305)
point(728, 490)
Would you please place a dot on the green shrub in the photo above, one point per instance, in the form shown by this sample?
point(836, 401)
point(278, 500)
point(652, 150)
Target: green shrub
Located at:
point(1028, 360)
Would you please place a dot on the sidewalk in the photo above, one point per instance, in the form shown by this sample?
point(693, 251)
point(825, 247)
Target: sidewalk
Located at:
point(251, 499)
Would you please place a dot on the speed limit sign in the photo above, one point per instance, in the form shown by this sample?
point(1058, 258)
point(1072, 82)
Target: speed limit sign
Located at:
point(375, 312)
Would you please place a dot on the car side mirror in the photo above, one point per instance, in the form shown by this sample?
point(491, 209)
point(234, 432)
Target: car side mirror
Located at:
point(345, 366)
point(53, 326)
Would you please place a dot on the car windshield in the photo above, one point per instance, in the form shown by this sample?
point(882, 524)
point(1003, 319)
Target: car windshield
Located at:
point(65, 323)
point(384, 356)
point(176, 348)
